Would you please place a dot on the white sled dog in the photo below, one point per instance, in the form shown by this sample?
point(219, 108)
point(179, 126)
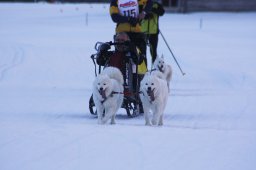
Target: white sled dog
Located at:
point(154, 96)
point(166, 69)
point(108, 94)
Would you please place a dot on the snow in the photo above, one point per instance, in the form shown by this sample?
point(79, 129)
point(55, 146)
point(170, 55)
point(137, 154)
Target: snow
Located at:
point(46, 77)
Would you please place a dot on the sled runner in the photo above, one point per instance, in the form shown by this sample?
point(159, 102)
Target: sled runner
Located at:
point(128, 65)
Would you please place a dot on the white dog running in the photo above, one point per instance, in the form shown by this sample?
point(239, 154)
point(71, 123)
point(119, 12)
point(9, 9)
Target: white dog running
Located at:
point(154, 97)
point(108, 94)
point(166, 69)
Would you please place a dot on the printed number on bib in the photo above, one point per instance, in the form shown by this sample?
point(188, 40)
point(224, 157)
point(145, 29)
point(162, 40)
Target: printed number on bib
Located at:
point(128, 8)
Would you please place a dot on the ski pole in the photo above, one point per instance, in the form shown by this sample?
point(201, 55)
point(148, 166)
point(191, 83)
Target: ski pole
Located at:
point(171, 53)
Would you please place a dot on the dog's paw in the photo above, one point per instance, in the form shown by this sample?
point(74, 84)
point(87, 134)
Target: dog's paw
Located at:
point(154, 122)
point(112, 122)
point(160, 124)
point(100, 122)
point(148, 124)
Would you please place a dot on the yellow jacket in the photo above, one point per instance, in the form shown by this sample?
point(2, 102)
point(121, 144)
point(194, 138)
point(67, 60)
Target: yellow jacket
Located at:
point(122, 21)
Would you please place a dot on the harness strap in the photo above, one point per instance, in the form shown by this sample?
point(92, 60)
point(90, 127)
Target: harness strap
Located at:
point(111, 95)
point(131, 93)
point(93, 59)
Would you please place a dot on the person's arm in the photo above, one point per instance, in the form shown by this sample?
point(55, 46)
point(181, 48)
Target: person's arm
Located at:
point(144, 8)
point(147, 8)
point(117, 18)
point(114, 13)
point(158, 9)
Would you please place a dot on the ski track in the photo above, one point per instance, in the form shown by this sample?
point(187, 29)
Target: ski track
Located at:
point(17, 56)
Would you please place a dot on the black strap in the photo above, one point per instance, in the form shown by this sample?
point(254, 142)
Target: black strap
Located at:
point(93, 60)
point(111, 95)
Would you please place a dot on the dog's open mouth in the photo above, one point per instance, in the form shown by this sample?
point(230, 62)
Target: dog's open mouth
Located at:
point(151, 94)
point(161, 68)
point(102, 93)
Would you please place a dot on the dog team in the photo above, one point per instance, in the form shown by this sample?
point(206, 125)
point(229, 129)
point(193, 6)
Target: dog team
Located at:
point(154, 88)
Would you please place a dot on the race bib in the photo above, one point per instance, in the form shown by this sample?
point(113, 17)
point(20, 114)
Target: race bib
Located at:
point(129, 8)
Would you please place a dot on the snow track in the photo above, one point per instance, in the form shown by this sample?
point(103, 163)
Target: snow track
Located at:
point(11, 56)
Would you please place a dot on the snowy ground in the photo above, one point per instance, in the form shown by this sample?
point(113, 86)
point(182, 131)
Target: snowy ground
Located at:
point(46, 78)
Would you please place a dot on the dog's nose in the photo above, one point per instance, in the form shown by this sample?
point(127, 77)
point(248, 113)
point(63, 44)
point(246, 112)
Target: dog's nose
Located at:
point(101, 88)
point(149, 88)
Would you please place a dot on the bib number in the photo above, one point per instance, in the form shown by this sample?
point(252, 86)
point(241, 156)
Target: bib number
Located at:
point(128, 8)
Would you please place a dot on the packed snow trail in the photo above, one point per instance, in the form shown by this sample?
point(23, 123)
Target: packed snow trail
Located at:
point(46, 77)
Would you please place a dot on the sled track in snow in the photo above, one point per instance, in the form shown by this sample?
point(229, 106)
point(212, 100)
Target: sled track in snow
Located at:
point(7, 63)
point(199, 92)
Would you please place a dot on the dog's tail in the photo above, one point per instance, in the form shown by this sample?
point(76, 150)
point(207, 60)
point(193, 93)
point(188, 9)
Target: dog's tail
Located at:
point(114, 73)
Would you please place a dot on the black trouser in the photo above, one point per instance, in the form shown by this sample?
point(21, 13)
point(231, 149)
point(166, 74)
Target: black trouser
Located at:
point(136, 81)
point(139, 40)
point(153, 41)
point(136, 88)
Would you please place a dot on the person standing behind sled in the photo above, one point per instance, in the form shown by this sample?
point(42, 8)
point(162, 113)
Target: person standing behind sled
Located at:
point(127, 14)
point(124, 51)
point(150, 26)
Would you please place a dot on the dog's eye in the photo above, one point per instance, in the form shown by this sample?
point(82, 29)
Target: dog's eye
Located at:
point(146, 83)
point(104, 84)
point(152, 83)
point(98, 83)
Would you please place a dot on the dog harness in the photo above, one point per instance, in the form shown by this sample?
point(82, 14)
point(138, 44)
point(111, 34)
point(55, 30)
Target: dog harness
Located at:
point(102, 93)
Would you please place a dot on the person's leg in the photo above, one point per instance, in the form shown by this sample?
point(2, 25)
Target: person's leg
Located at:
point(140, 77)
point(139, 40)
point(153, 40)
point(142, 44)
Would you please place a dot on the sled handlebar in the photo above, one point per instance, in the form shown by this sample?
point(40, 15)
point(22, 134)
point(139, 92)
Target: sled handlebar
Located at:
point(106, 45)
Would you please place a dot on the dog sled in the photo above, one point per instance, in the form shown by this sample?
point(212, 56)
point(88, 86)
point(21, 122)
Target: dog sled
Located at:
point(101, 59)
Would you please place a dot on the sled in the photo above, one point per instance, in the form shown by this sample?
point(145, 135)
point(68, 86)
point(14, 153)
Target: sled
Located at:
point(131, 102)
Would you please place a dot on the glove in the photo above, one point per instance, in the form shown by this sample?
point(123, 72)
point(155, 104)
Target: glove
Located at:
point(149, 16)
point(133, 21)
point(155, 10)
point(104, 47)
point(132, 47)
